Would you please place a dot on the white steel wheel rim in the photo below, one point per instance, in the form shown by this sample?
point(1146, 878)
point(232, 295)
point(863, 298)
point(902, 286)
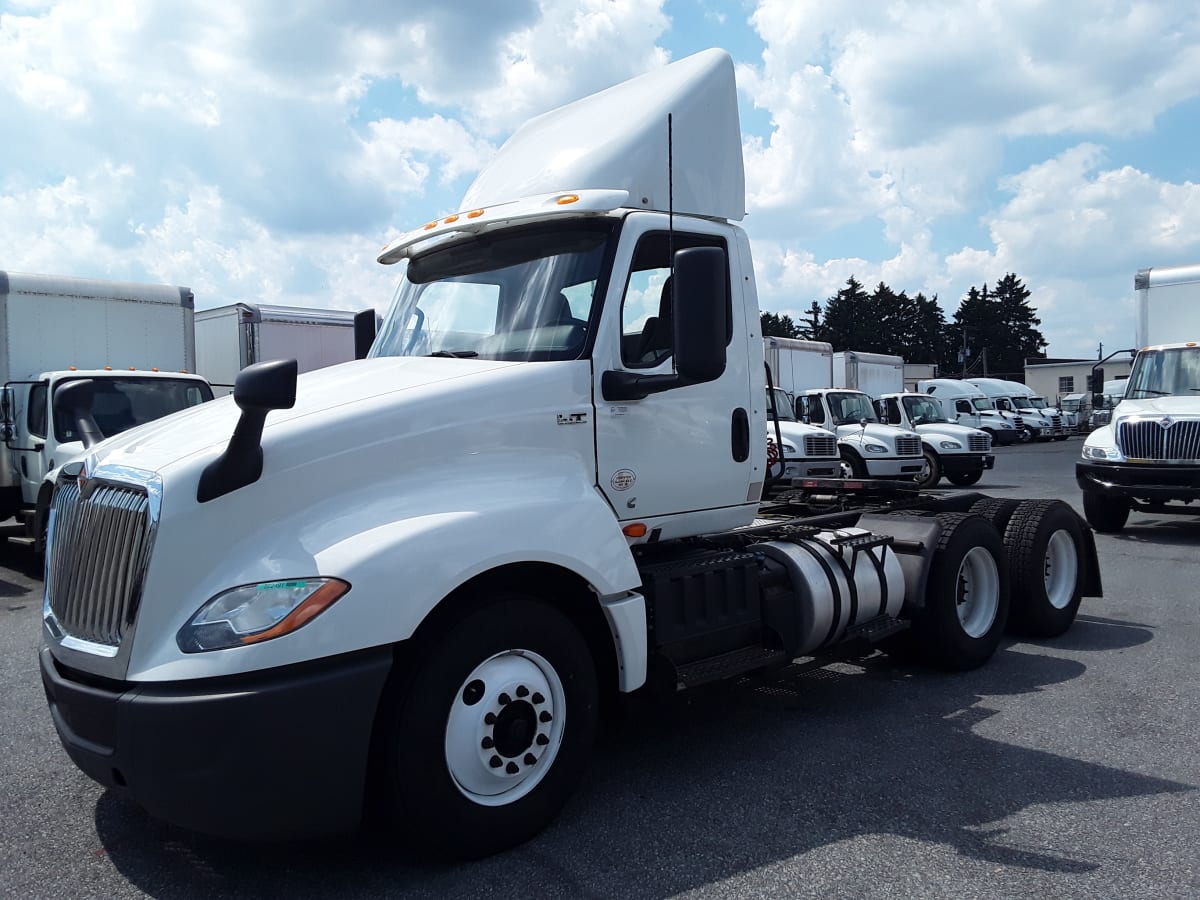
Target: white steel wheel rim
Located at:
point(977, 592)
point(505, 727)
point(847, 469)
point(1061, 568)
point(926, 470)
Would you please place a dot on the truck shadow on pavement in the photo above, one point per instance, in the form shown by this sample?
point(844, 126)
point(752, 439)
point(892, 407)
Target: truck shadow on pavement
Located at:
point(1178, 531)
point(718, 783)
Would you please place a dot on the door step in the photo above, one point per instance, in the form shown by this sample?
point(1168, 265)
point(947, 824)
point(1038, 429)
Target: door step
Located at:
point(727, 665)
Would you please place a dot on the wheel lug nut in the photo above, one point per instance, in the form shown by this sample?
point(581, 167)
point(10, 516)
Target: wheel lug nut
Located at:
point(505, 699)
point(522, 691)
point(495, 762)
point(530, 759)
point(544, 716)
point(542, 740)
point(512, 768)
point(487, 743)
point(537, 698)
point(489, 719)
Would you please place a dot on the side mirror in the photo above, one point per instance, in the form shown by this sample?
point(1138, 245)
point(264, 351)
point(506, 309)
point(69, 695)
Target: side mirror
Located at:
point(75, 398)
point(1097, 386)
point(364, 333)
point(259, 389)
point(7, 407)
point(700, 281)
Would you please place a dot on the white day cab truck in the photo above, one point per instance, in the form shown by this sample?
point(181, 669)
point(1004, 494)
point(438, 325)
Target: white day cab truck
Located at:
point(532, 505)
point(959, 453)
point(807, 451)
point(81, 360)
point(964, 403)
point(1147, 457)
point(1029, 402)
point(1034, 424)
point(229, 338)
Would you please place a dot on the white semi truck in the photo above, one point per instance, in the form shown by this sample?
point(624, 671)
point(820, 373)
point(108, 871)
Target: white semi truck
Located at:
point(409, 582)
point(868, 448)
point(1033, 425)
point(125, 351)
point(1147, 457)
point(229, 338)
point(966, 404)
point(960, 453)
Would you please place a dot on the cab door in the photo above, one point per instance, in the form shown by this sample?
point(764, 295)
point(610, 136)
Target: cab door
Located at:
point(690, 453)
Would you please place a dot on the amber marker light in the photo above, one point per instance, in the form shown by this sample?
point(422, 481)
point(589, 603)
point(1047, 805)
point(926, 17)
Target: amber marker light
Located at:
point(567, 198)
point(108, 368)
point(475, 214)
point(429, 225)
point(635, 530)
point(450, 220)
point(322, 598)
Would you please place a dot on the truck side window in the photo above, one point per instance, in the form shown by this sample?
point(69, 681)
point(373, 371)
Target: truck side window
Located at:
point(36, 419)
point(647, 316)
point(893, 412)
point(962, 406)
point(814, 410)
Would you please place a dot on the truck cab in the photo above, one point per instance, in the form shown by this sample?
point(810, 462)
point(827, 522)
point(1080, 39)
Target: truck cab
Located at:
point(807, 451)
point(1029, 403)
point(960, 453)
point(867, 447)
point(966, 404)
point(1034, 426)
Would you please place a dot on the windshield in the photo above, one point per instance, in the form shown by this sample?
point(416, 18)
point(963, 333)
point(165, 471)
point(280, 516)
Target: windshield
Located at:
point(783, 405)
point(851, 408)
point(1165, 373)
point(923, 411)
point(983, 403)
point(119, 404)
point(1036, 402)
point(519, 295)
point(1071, 405)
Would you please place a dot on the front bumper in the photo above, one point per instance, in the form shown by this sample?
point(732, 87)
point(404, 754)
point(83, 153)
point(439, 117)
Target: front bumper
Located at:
point(1148, 483)
point(958, 463)
point(280, 754)
point(812, 468)
point(893, 467)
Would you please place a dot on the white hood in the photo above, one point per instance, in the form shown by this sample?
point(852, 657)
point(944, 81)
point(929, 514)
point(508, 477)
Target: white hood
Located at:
point(1159, 406)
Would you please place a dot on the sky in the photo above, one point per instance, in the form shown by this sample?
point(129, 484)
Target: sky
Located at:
point(264, 151)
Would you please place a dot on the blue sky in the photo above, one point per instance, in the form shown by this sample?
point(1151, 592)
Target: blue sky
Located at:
point(265, 151)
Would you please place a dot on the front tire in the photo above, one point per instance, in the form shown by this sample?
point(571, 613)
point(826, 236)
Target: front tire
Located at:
point(1025, 435)
point(493, 730)
point(965, 479)
point(852, 466)
point(1107, 515)
point(931, 472)
point(966, 595)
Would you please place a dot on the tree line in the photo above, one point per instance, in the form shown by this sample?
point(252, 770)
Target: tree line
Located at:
point(993, 329)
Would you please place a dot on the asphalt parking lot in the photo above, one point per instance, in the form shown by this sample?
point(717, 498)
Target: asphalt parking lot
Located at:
point(1061, 769)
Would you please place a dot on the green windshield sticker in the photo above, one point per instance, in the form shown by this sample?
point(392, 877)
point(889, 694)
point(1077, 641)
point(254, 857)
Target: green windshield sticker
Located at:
point(282, 585)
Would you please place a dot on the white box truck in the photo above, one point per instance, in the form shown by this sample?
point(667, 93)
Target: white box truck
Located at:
point(416, 577)
point(229, 338)
point(874, 374)
point(126, 349)
point(1147, 457)
point(797, 365)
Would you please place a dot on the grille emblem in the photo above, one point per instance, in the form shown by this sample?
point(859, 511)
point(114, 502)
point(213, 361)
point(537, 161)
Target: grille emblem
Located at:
point(85, 483)
point(1165, 422)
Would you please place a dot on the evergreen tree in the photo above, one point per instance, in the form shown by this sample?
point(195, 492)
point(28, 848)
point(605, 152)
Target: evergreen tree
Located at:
point(846, 314)
point(998, 330)
point(778, 326)
point(811, 326)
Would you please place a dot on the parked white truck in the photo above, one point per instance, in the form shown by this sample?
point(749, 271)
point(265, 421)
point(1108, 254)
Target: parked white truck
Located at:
point(1147, 458)
point(124, 350)
point(229, 338)
point(798, 365)
point(1033, 425)
point(868, 448)
point(413, 579)
point(1029, 402)
point(794, 449)
point(968, 405)
point(960, 453)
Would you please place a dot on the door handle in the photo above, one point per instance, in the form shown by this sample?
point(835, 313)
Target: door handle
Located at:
point(739, 435)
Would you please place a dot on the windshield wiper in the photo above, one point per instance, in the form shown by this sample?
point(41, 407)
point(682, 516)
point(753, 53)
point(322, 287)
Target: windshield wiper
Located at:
point(455, 354)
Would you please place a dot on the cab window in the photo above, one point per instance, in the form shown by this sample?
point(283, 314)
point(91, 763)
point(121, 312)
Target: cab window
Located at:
point(35, 419)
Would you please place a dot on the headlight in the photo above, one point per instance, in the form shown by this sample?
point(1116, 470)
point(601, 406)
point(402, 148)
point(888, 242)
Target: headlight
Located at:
point(258, 612)
point(875, 448)
point(789, 449)
point(1109, 453)
point(950, 445)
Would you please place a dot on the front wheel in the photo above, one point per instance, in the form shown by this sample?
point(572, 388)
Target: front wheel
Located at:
point(852, 466)
point(1107, 515)
point(492, 731)
point(965, 479)
point(1025, 435)
point(931, 470)
point(966, 595)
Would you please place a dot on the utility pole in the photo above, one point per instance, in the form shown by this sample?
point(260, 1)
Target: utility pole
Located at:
point(1100, 351)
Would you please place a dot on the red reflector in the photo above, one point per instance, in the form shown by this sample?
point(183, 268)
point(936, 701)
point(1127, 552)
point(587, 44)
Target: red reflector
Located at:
point(854, 485)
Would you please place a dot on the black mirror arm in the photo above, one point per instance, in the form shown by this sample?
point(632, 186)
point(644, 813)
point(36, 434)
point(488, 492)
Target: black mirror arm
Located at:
point(631, 386)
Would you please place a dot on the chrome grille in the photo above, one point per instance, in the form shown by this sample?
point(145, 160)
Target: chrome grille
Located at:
point(979, 443)
point(908, 446)
point(820, 445)
point(97, 558)
point(1147, 439)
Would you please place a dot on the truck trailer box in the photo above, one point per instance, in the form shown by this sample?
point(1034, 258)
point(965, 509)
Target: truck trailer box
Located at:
point(874, 374)
point(1168, 304)
point(798, 366)
point(229, 338)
